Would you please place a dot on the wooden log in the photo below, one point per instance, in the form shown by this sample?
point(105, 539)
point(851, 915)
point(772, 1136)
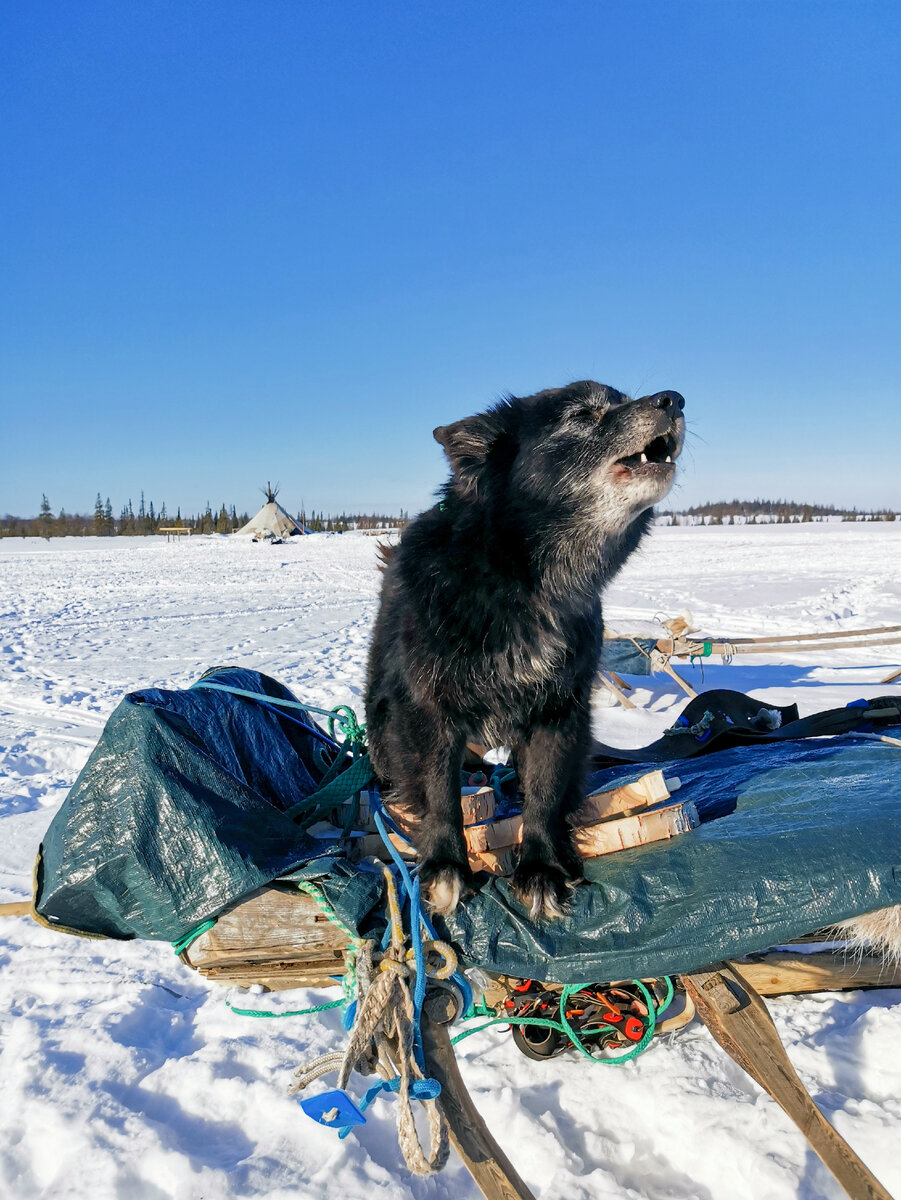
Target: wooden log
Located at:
point(739, 1020)
point(493, 1173)
point(630, 797)
point(606, 837)
point(479, 804)
point(600, 837)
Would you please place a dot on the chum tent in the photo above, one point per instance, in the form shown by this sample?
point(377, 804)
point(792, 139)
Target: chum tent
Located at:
point(272, 521)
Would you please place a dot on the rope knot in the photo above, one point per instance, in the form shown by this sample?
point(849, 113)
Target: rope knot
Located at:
point(400, 969)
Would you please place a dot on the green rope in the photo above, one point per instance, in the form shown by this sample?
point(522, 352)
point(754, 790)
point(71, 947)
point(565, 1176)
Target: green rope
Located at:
point(295, 1012)
point(183, 943)
point(354, 732)
point(348, 982)
point(563, 1026)
point(355, 943)
point(316, 894)
point(337, 785)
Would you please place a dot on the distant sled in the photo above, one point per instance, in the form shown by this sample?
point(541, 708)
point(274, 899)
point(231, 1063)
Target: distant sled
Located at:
point(641, 655)
point(272, 523)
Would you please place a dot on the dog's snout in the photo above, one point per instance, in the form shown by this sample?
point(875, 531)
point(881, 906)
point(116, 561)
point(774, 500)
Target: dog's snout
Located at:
point(668, 400)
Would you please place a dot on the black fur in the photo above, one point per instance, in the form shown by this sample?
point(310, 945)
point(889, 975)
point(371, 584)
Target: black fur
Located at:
point(490, 621)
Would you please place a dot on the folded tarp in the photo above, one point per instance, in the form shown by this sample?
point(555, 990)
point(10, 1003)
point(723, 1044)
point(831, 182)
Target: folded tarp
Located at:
point(179, 813)
point(628, 656)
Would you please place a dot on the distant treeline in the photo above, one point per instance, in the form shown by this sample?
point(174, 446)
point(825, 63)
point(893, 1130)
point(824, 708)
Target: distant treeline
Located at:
point(769, 512)
point(148, 520)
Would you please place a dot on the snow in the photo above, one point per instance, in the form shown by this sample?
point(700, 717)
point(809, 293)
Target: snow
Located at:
point(125, 1074)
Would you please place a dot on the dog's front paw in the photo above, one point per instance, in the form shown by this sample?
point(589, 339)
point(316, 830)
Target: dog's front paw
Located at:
point(542, 888)
point(441, 885)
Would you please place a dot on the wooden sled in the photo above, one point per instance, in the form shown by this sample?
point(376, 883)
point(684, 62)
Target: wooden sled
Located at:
point(281, 939)
point(684, 646)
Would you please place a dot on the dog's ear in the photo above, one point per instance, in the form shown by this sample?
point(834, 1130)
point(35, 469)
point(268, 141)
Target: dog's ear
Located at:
point(467, 444)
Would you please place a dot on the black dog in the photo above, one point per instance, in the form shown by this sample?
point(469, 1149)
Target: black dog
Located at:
point(490, 621)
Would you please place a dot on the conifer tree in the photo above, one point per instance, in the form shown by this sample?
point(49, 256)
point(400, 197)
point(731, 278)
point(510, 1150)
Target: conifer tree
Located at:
point(98, 516)
point(108, 527)
point(46, 518)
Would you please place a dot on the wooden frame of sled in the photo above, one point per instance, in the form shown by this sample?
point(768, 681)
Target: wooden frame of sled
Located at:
point(281, 939)
point(687, 647)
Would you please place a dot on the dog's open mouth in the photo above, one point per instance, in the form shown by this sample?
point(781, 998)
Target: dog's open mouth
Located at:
point(661, 452)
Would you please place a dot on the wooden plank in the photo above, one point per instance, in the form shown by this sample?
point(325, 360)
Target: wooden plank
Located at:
point(615, 691)
point(667, 644)
point(816, 637)
point(694, 649)
point(739, 1020)
point(783, 973)
point(493, 1173)
point(265, 931)
point(668, 669)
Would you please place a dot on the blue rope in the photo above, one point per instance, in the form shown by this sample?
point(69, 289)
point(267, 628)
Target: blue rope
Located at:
point(420, 1089)
point(265, 701)
point(355, 739)
point(418, 917)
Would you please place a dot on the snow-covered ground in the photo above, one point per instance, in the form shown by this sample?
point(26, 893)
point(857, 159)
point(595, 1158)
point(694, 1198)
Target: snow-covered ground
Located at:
point(123, 1074)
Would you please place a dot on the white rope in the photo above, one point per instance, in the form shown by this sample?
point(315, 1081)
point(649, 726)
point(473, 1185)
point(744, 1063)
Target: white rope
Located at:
point(381, 1041)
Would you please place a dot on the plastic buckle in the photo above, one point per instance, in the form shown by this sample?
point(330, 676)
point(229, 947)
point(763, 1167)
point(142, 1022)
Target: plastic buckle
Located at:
point(334, 1109)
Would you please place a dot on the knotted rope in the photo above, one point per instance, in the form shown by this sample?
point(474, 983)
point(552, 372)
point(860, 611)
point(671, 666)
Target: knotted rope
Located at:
point(383, 1040)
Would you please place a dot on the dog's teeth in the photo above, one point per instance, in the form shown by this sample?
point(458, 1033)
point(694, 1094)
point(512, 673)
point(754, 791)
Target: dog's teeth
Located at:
point(644, 457)
point(668, 459)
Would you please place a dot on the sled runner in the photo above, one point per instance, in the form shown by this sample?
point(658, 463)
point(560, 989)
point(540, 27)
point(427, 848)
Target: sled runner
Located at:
point(232, 831)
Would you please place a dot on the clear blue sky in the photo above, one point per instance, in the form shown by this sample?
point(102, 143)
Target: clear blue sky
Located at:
point(284, 240)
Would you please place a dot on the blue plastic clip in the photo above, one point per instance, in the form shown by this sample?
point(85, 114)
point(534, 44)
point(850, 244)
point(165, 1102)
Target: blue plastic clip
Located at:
point(334, 1109)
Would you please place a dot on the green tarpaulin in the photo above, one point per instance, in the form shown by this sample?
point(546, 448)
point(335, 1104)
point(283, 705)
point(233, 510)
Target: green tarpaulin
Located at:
point(179, 812)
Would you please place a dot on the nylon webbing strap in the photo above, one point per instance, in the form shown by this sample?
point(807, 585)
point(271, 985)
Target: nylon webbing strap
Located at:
point(347, 784)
